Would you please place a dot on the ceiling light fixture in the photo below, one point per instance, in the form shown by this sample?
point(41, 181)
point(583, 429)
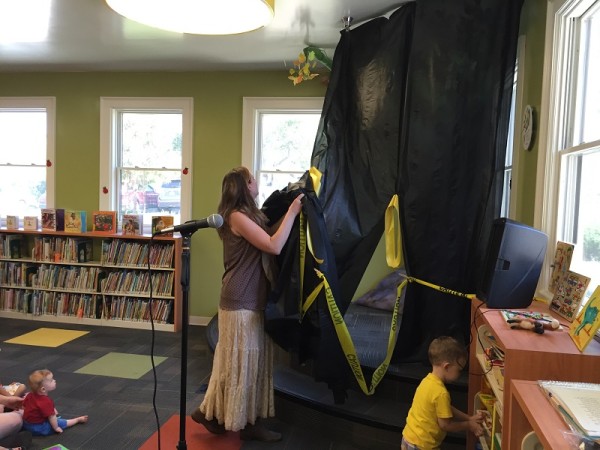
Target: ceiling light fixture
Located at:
point(214, 17)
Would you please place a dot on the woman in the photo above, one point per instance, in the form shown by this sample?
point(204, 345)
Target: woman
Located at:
point(240, 390)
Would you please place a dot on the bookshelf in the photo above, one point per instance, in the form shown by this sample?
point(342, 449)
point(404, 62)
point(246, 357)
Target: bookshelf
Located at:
point(90, 278)
point(527, 356)
point(530, 410)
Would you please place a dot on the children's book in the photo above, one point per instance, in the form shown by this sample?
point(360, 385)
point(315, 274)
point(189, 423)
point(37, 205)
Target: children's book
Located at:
point(568, 295)
point(30, 223)
point(587, 322)
point(12, 222)
point(53, 219)
point(75, 221)
point(160, 222)
point(132, 224)
point(562, 262)
point(104, 222)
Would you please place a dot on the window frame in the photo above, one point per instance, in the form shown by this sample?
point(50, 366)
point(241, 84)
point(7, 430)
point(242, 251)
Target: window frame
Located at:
point(49, 104)
point(253, 107)
point(108, 140)
point(558, 94)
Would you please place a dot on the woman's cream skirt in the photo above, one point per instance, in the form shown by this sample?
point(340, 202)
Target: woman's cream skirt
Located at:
point(241, 383)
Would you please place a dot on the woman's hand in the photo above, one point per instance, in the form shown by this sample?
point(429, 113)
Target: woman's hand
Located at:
point(296, 205)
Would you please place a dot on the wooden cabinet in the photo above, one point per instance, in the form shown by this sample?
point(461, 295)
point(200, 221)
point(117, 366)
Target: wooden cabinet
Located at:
point(530, 410)
point(527, 356)
point(91, 278)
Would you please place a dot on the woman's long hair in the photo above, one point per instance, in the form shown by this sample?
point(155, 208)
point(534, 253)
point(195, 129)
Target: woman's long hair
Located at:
point(235, 196)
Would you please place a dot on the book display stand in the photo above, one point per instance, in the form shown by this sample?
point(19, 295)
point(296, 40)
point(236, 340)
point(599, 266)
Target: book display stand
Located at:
point(92, 278)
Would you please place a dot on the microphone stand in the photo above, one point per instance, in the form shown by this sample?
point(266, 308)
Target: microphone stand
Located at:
point(185, 319)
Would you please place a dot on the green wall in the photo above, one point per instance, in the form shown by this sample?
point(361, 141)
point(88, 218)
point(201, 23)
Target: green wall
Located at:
point(217, 141)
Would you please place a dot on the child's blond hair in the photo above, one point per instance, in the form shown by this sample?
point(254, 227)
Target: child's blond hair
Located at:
point(36, 379)
point(446, 349)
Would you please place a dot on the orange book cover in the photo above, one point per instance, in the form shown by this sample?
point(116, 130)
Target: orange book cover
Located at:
point(160, 222)
point(104, 222)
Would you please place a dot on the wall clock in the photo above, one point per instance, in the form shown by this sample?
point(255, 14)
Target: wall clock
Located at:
point(527, 127)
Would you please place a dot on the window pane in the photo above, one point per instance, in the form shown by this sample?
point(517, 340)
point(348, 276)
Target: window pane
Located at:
point(286, 141)
point(151, 139)
point(150, 193)
point(22, 191)
point(582, 214)
point(590, 94)
point(285, 146)
point(23, 137)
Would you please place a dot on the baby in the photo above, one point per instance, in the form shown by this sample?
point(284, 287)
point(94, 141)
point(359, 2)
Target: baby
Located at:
point(39, 415)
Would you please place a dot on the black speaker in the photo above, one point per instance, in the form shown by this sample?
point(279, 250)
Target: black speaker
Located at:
point(512, 266)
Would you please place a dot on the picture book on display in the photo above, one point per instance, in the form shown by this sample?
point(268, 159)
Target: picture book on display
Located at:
point(53, 219)
point(568, 295)
point(578, 404)
point(104, 222)
point(30, 223)
point(75, 221)
point(132, 224)
point(160, 222)
point(562, 262)
point(12, 222)
point(587, 322)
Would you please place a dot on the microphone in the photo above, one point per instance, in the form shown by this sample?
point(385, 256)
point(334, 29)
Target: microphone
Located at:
point(212, 221)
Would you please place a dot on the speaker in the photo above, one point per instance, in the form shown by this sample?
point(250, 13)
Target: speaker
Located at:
point(512, 266)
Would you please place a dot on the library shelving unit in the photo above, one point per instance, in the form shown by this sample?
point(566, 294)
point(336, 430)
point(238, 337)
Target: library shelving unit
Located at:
point(526, 356)
point(91, 278)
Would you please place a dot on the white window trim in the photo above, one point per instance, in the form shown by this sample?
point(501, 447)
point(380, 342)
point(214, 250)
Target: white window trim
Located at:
point(254, 106)
point(49, 104)
point(551, 130)
point(107, 172)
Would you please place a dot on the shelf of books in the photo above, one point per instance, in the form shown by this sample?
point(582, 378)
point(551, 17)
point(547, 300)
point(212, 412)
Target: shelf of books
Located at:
point(92, 278)
point(501, 352)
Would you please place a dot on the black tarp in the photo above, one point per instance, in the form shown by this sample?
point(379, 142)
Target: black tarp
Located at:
point(417, 105)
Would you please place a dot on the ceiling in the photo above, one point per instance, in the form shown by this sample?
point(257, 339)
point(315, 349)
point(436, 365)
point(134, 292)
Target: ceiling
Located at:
point(86, 35)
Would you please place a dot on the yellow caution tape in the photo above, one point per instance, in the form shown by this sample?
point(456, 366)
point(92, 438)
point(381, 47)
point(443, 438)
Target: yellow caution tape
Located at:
point(393, 235)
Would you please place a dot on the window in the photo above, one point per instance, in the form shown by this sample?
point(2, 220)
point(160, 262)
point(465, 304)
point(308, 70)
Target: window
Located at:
point(512, 147)
point(145, 145)
point(278, 139)
point(26, 156)
point(570, 207)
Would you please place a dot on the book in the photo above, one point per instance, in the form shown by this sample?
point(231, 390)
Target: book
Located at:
point(132, 224)
point(568, 295)
point(30, 223)
point(14, 247)
point(84, 250)
point(160, 222)
point(578, 403)
point(104, 221)
point(75, 221)
point(12, 222)
point(53, 219)
point(561, 264)
point(587, 322)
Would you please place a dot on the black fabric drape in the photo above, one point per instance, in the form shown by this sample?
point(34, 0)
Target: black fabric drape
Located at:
point(417, 105)
point(423, 114)
point(450, 185)
point(357, 144)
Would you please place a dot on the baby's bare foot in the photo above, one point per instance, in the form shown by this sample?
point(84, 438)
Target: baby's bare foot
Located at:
point(82, 419)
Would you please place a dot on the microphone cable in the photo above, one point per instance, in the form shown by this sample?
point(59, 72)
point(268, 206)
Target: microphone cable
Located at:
point(152, 342)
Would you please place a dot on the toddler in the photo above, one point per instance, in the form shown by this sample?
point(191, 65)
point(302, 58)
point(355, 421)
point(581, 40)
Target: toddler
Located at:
point(40, 416)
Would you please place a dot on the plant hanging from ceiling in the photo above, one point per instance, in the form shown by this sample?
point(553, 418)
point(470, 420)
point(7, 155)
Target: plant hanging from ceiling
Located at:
point(308, 60)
